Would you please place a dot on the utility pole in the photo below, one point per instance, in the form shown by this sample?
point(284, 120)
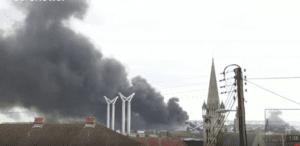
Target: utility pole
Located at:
point(241, 108)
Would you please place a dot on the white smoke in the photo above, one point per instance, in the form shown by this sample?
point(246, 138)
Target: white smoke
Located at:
point(17, 113)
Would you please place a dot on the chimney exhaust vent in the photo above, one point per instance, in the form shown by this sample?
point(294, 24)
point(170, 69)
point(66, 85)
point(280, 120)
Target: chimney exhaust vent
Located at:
point(90, 122)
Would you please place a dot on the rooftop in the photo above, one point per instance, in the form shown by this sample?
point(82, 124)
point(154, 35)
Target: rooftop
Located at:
point(62, 134)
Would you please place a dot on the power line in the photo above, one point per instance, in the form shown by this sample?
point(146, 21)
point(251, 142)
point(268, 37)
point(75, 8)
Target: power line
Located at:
point(178, 79)
point(273, 78)
point(219, 127)
point(184, 85)
point(264, 56)
point(183, 92)
point(223, 122)
point(228, 96)
point(273, 92)
point(215, 124)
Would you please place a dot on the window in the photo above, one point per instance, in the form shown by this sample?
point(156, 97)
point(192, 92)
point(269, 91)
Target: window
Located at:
point(207, 121)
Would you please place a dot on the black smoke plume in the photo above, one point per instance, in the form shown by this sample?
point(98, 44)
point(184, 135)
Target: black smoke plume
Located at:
point(47, 67)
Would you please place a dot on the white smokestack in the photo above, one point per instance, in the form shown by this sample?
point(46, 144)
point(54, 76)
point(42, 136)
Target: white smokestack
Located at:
point(123, 112)
point(108, 108)
point(129, 113)
point(113, 113)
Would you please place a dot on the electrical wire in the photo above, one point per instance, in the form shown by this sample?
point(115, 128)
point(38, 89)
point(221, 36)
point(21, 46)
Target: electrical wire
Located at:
point(229, 95)
point(217, 128)
point(228, 106)
point(178, 79)
point(184, 92)
point(215, 124)
point(183, 85)
point(273, 78)
point(223, 122)
point(214, 134)
point(273, 92)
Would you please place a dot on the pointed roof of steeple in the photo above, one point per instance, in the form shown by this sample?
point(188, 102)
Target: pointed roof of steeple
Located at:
point(213, 94)
point(222, 105)
point(204, 105)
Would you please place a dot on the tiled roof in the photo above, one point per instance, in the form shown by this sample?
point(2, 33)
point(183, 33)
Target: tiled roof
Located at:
point(233, 139)
point(164, 141)
point(62, 134)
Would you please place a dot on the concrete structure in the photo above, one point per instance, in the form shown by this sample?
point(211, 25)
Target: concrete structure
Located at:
point(113, 111)
point(212, 119)
point(124, 99)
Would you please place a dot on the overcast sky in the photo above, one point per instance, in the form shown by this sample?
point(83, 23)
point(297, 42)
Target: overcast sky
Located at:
point(171, 44)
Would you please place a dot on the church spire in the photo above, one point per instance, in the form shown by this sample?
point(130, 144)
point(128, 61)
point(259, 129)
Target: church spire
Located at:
point(213, 94)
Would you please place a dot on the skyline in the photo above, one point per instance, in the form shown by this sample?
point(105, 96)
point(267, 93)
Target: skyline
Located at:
point(171, 45)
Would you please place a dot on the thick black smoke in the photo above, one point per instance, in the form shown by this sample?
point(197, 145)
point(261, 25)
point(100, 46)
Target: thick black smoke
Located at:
point(47, 65)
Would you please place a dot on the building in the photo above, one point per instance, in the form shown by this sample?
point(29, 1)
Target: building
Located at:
point(211, 118)
point(20, 134)
point(233, 139)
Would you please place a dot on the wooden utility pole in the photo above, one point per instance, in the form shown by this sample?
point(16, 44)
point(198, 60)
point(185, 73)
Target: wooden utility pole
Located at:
point(241, 108)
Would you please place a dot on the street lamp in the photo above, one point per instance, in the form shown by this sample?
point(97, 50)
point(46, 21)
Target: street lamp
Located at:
point(223, 111)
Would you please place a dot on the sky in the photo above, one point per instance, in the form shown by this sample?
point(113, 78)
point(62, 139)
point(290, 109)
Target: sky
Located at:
point(164, 48)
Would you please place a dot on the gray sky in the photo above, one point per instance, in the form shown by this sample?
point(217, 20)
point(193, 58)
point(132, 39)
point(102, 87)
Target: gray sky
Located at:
point(171, 43)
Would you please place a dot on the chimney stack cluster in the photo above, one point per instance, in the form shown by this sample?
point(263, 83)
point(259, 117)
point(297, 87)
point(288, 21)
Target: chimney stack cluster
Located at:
point(90, 122)
point(38, 123)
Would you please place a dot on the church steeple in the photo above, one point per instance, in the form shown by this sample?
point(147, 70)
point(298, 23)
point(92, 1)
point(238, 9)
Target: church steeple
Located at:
point(210, 116)
point(213, 94)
